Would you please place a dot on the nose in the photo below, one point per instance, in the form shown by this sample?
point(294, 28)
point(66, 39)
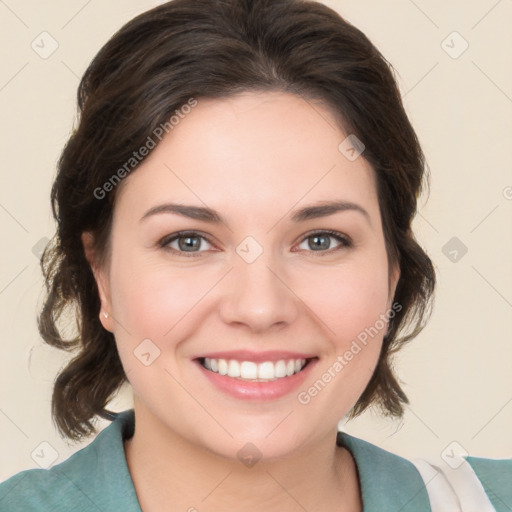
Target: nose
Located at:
point(258, 297)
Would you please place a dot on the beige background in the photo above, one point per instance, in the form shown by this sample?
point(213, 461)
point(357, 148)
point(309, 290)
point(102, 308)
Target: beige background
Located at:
point(457, 373)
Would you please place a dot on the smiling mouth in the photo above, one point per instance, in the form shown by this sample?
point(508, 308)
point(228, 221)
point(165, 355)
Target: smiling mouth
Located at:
point(265, 371)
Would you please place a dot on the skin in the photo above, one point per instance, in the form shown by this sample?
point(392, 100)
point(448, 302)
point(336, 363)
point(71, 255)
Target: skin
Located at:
point(255, 158)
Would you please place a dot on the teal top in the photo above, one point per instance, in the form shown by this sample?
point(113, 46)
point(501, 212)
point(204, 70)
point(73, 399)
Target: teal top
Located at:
point(96, 478)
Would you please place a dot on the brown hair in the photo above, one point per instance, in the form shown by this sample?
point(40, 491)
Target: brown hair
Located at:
point(205, 48)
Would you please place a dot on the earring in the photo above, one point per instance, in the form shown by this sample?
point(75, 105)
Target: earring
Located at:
point(105, 315)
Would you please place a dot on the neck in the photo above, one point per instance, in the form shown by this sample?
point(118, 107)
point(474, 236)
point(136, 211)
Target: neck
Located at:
point(171, 473)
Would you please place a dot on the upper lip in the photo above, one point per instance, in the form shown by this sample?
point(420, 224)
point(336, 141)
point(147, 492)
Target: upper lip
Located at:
point(257, 357)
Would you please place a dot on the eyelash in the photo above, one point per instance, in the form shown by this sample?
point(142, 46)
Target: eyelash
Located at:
point(345, 242)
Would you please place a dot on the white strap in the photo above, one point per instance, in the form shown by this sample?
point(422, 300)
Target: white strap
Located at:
point(453, 490)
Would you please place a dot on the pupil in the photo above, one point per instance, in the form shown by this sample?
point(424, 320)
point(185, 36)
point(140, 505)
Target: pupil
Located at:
point(187, 244)
point(324, 245)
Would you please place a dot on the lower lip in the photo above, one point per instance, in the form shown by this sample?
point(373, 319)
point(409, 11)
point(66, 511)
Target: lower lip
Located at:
point(262, 391)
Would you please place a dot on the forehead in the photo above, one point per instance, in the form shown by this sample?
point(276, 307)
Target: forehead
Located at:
point(250, 153)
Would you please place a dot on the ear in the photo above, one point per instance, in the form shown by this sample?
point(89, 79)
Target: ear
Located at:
point(102, 281)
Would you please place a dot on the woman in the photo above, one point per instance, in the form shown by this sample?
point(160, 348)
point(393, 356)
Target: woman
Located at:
point(234, 218)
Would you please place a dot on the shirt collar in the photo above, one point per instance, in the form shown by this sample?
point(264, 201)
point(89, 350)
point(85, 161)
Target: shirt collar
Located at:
point(388, 482)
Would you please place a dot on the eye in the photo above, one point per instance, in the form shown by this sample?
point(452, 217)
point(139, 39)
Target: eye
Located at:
point(319, 241)
point(189, 243)
point(184, 242)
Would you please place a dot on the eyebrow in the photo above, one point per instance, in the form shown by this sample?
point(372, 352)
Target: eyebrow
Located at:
point(209, 215)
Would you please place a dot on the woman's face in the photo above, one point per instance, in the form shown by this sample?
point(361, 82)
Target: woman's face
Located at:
point(263, 290)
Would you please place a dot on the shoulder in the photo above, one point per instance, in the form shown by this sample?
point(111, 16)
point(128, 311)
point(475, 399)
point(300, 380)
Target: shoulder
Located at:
point(417, 485)
point(37, 489)
point(470, 483)
point(388, 481)
point(94, 478)
point(58, 488)
point(495, 476)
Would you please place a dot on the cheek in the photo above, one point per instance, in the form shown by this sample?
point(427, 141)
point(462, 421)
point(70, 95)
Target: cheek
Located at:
point(153, 306)
point(351, 304)
point(156, 301)
point(350, 301)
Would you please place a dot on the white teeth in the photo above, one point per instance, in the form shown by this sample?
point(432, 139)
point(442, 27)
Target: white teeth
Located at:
point(280, 369)
point(223, 366)
point(249, 370)
point(233, 368)
point(266, 370)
